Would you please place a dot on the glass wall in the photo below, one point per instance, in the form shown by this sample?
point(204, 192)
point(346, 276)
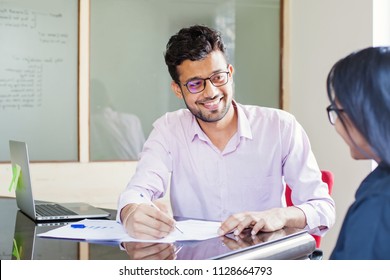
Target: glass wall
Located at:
point(129, 82)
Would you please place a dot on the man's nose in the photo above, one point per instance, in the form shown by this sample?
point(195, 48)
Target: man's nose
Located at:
point(209, 89)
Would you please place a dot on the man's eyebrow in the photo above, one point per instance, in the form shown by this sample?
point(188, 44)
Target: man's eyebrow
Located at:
point(212, 73)
point(193, 78)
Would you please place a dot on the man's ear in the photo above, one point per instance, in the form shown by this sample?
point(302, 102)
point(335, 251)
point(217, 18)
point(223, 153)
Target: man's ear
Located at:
point(176, 90)
point(231, 70)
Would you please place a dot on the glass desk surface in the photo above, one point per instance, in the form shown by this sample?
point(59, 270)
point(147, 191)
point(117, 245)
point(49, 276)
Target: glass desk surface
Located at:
point(19, 240)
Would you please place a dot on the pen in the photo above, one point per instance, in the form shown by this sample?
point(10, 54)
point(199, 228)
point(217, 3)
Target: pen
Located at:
point(77, 226)
point(155, 206)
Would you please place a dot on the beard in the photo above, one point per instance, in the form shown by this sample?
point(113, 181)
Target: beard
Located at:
point(211, 116)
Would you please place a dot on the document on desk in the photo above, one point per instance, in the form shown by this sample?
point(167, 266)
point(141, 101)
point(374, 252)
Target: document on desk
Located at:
point(109, 230)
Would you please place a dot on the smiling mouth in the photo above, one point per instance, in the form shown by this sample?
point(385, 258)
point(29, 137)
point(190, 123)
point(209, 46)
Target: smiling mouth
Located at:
point(212, 104)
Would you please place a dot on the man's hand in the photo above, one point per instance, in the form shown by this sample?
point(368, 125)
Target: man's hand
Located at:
point(143, 221)
point(266, 221)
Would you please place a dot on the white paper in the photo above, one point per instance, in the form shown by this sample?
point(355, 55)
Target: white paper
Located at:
point(110, 230)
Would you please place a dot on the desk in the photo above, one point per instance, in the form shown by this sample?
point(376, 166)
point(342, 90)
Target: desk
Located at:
point(17, 231)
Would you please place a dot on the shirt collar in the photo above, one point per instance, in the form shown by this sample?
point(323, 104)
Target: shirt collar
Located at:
point(244, 128)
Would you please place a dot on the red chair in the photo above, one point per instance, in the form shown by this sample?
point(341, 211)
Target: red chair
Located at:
point(327, 177)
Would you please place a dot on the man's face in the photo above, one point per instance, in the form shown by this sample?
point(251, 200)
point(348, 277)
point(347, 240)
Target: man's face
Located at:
point(211, 104)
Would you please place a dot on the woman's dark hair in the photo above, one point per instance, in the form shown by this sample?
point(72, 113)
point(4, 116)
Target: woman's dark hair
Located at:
point(360, 83)
point(194, 43)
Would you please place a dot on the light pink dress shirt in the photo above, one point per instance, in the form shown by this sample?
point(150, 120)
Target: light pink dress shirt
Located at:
point(269, 149)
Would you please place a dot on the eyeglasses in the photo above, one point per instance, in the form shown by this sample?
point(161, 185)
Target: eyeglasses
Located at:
point(197, 85)
point(333, 113)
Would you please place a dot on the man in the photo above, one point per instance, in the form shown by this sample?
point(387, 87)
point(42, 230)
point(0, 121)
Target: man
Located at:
point(223, 161)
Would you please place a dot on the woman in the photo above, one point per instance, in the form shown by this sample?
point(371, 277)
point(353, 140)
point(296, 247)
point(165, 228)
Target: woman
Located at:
point(359, 92)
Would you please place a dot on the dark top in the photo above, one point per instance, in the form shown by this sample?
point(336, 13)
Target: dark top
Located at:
point(365, 233)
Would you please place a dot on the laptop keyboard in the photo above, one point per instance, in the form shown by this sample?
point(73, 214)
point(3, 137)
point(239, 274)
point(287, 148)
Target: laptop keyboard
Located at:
point(52, 210)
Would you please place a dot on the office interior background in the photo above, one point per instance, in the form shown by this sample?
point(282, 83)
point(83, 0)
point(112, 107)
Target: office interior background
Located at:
point(310, 35)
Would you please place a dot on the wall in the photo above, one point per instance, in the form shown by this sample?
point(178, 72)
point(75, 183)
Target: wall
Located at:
point(100, 183)
point(126, 53)
point(96, 183)
point(322, 32)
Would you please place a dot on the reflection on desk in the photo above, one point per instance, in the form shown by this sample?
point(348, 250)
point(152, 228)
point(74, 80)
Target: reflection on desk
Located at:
point(282, 244)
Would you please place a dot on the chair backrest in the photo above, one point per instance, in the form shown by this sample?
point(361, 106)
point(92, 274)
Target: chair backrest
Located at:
point(327, 177)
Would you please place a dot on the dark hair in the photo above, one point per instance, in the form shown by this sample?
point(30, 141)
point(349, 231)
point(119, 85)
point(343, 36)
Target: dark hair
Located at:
point(360, 83)
point(194, 43)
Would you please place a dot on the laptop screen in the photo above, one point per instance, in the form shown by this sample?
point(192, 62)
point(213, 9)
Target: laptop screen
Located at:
point(23, 191)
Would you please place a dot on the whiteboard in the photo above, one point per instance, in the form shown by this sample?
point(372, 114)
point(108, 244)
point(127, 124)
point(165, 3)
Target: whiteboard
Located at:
point(39, 78)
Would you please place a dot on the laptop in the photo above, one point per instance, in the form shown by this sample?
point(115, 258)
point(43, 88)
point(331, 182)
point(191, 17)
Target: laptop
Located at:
point(44, 211)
